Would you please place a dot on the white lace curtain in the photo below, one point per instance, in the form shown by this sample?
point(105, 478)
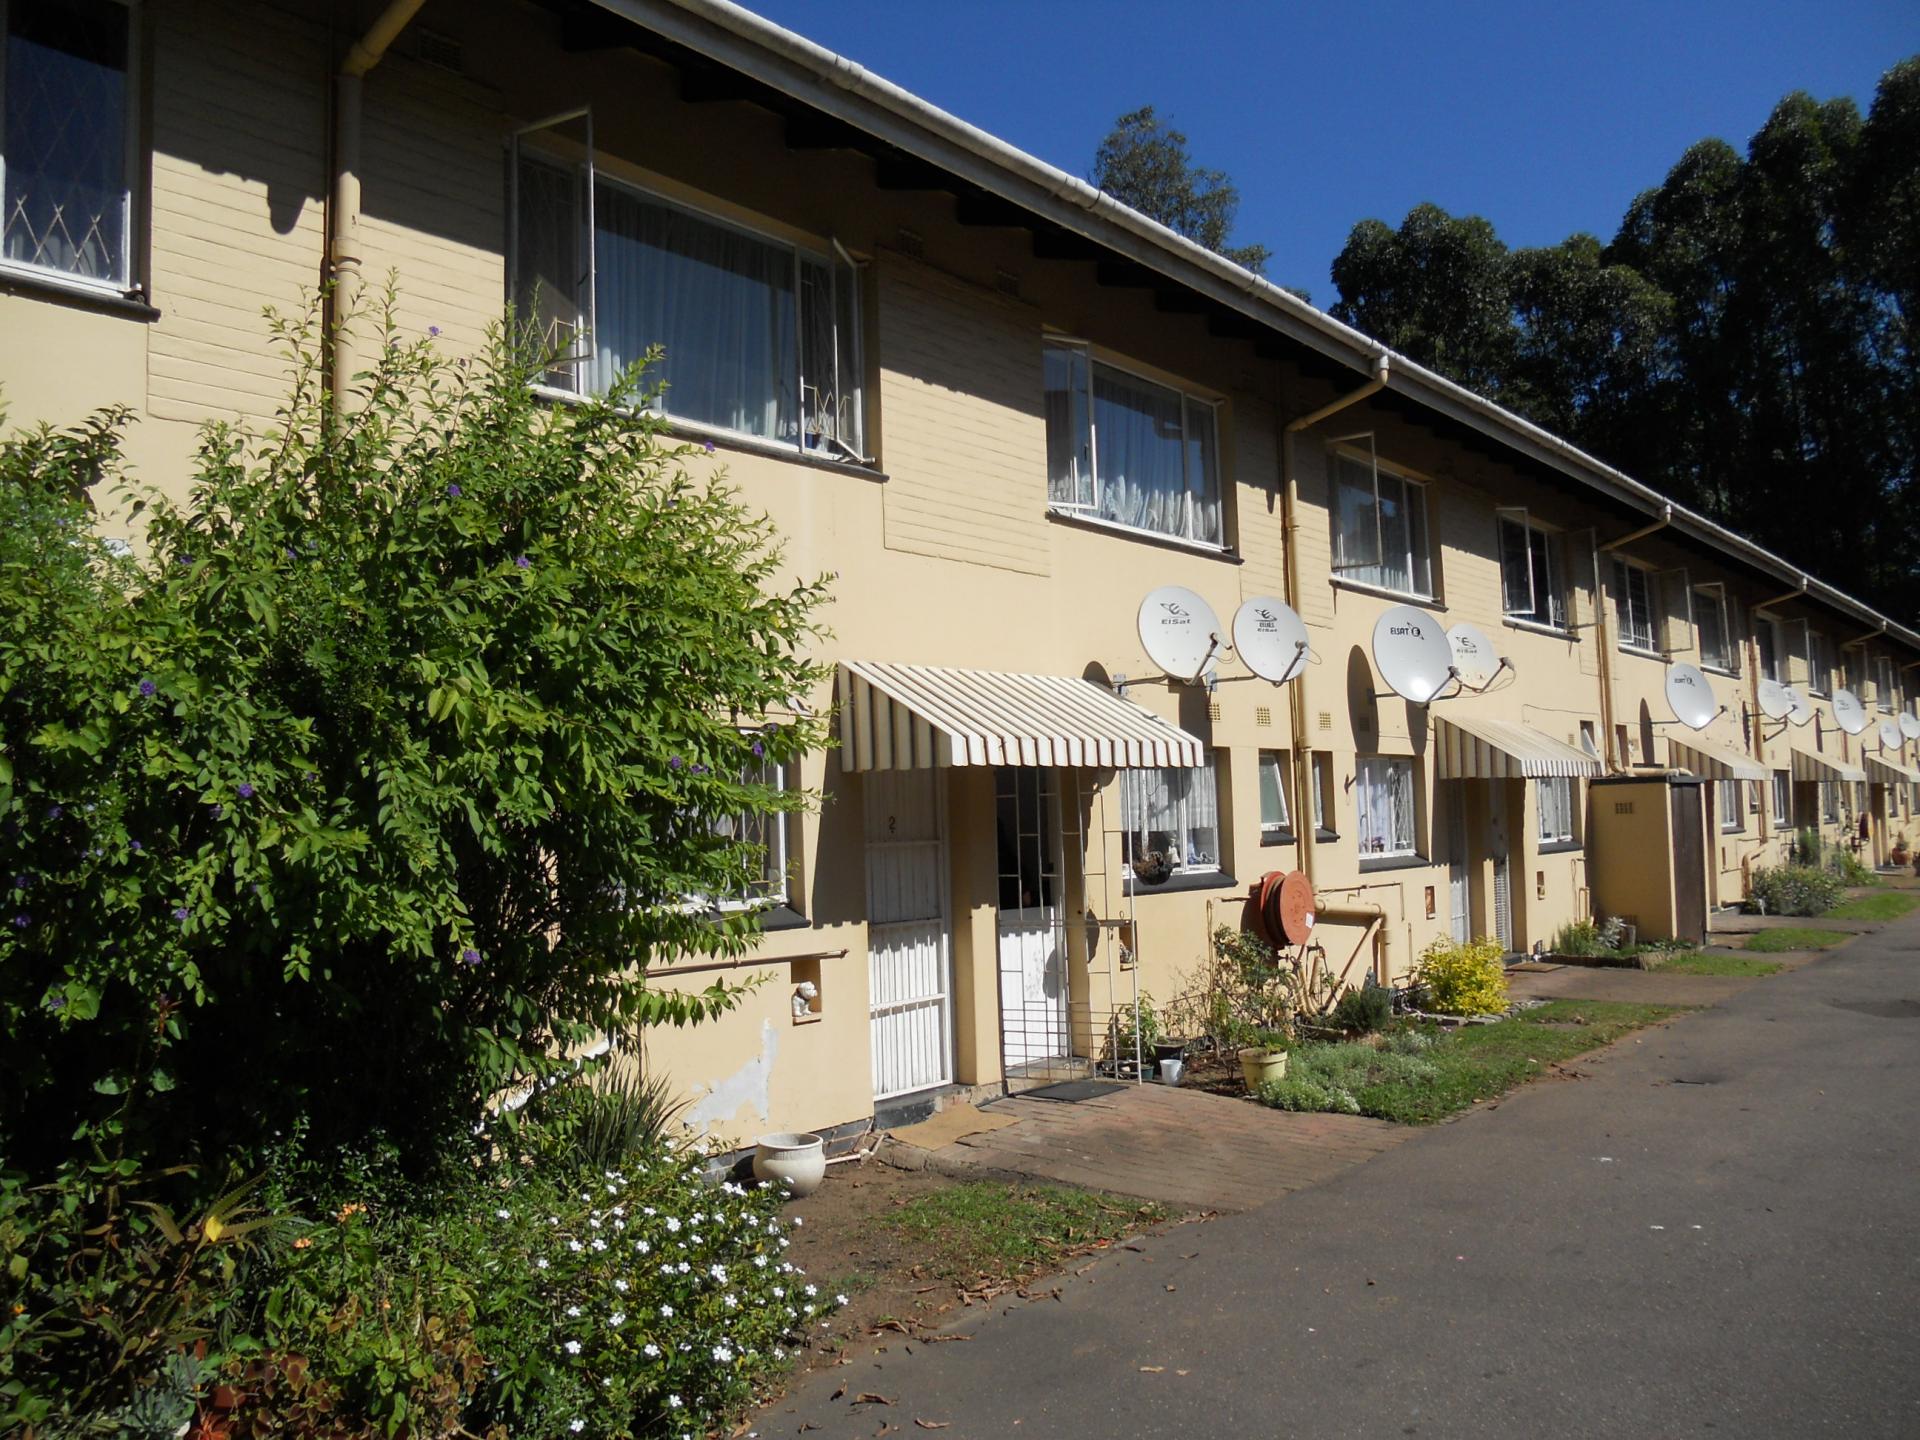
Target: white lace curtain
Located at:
point(1176, 811)
point(1385, 807)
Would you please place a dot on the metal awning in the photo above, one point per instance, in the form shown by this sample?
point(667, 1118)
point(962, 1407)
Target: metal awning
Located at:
point(1478, 749)
point(1882, 771)
point(918, 717)
point(1811, 767)
point(1714, 762)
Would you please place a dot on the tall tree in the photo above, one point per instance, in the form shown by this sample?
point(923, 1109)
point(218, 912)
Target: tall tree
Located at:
point(1144, 163)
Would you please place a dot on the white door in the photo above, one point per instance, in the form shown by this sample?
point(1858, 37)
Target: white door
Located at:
point(1502, 902)
point(1459, 903)
point(909, 965)
point(1033, 949)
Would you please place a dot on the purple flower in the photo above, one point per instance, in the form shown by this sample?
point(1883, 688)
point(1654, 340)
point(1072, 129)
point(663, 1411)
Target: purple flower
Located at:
point(433, 330)
point(771, 728)
point(758, 748)
point(148, 689)
point(470, 956)
point(218, 811)
point(245, 791)
point(180, 913)
point(699, 769)
point(523, 562)
point(57, 1002)
point(290, 553)
point(22, 920)
point(709, 447)
point(135, 846)
point(453, 492)
point(674, 762)
point(54, 812)
point(22, 880)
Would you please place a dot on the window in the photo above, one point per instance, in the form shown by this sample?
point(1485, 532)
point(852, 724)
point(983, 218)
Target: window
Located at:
point(1380, 528)
point(1323, 792)
point(759, 337)
point(1753, 798)
point(1782, 800)
point(1732, 807)
point(766, 833)
point(1555, 801)
point(1128, 451)
point(1175, 812)
point(1633, 605)
point(1276, 821)
point(66, 202)
point(1883, 683)
point(1384, 796)
point(1829, 800)
point(1819, 663)
point(1766, 638)
point(1530, 575)
point(1710, 620)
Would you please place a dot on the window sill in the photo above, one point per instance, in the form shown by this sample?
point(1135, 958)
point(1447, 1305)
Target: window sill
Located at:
point(1559, 847)
point(1133, 532)
point(1405, 597)
point(1640, 651)
point(783, 917)
point(1535, 627)
point(1392, 862)
point(1278, 837)
point(1322, 836)
point(48, 285)
point(1184, 880)
point(1726, 672)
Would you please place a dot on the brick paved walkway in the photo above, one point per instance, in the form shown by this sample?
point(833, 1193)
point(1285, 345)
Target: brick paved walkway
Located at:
point(1184, 1148)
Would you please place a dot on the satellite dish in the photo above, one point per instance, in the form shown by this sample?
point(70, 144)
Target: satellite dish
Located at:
point(1801, 709)
point(1270, 638)
point(1776, 701)
point(1889, 735)
point(1848, 710)
point(1180, 632)
point(1412, 652)
point(1690, 697)
point(1473, 656)
point(1910, 725)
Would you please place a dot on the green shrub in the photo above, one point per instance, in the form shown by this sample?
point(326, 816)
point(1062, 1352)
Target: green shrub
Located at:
point(1364, 1008)
point(1796, 890)
point(1464, 979)
point(1332, 1077)
point(1582, 937)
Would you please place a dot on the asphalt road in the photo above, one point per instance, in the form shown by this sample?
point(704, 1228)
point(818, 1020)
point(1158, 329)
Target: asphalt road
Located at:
point(1716, 1232)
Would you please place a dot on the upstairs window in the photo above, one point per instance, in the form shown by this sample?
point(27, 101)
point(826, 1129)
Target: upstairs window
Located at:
point(760, 337)
point(1819, 663)
point(1129, 451)
point(1710, 621)
point(1380, 528)
point(1384, 800)
point(1766, 639)
point(1530, 575)
point(66, 199)
point(1174, 812)
point(1633, 606)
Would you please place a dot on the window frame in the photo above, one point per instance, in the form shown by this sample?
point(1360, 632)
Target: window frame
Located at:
point(1208, 766)
point(1419, 554)
point(1280, 832)
point(830, 255)
point(1624, 610)
point(1364, 784)
point(1091, 358)
point(1726, 662)
point(1558, 838)
point(1558, 612)
point(1819, 664)
point(129, 283)
point(1782, 800)
point(1733, 817)
point(1323, 805)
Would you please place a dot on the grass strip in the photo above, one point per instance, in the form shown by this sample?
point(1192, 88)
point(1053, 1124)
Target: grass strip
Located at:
point(1887, 905)
point(987, 1229)
point(1696, 962)
point(1795, 937)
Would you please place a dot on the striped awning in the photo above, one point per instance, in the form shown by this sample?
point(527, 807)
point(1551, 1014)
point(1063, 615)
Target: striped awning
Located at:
point(1471, 748)
point(1714, 762)
point(1883, 771)
point(918, 717)
point(1810, 766)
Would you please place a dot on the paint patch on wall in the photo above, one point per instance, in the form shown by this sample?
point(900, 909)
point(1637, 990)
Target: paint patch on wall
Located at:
point(750, 1085)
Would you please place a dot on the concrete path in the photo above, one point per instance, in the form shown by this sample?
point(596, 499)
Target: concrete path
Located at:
point(1716, 1232)
point(1185, 1148)
point(1642, 987)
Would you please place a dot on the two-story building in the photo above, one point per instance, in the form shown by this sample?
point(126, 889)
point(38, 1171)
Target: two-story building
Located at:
point(1001, 409)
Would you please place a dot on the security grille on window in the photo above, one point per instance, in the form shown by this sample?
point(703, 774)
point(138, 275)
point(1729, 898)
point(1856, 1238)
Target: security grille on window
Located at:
point(1172, 812)
point(66, 200)
point(759, 337)
point(766, 834)
point(1384, 799)
point(1380, 528)
point(1554, 797)
point(1782, 800)
point(1275, 813)
point(1710, 621)
point(1530, 575)
point(1733, 810)
point(1633, 605)
point(1128, 451)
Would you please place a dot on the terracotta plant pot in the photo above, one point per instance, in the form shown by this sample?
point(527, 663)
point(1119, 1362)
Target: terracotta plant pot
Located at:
point(1259, 1066)
point(795, 1159)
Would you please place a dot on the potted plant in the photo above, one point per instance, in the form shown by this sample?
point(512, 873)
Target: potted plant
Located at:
point(1264, 1061)
point(1900, 852)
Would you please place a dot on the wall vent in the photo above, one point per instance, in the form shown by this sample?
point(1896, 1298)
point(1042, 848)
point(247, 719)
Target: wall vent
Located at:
point(1213, 710)
point(1326, 720)
point(1262, 715)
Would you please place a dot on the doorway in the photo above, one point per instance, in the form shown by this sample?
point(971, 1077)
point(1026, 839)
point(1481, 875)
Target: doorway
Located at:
point(909, 939)
point(1032, 935)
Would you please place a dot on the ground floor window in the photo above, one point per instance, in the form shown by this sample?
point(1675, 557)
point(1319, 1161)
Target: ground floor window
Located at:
point(1782, 800)
point(1733, 811)
point(766, 834)
point(1276, 820)
point(1175, 812)
point(1830, 801)
point(1384, 798)
point(1555, 799)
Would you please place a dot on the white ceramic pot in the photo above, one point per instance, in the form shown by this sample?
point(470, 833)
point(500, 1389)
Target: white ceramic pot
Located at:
point(799, 1161)
point(1170, 1071)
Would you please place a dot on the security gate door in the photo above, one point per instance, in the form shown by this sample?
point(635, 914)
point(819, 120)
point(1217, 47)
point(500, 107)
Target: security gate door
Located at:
point(1459, 902)
point(1032, 939)
point(909, 954)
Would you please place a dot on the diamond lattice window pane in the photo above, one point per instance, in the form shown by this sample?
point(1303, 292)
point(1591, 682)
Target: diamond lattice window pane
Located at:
point(65, 202)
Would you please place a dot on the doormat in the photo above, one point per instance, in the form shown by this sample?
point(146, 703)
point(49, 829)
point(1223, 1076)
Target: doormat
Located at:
point(1073, 1090)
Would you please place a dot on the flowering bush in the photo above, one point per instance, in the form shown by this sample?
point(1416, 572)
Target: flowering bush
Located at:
point(1797, 890)
point(625, 1302)
point(1467, 978)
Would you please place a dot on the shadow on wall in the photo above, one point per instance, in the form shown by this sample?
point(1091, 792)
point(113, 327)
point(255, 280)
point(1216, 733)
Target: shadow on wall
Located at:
point(1363, 701)
point(837, 895)
point(1646, 734)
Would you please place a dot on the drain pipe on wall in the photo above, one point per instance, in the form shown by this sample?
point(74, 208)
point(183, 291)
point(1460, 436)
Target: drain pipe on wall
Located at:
point(1303, 776)
point(343, 200)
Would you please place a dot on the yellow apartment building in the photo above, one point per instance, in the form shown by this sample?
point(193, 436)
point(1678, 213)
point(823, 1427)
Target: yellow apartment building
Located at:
point(1009, 415)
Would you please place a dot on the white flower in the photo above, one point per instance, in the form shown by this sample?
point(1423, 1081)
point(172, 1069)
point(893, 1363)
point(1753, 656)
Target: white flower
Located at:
point(573, 1347)
point(594, 1221)
point(598, 1243)
point(673, 1226)
point(503, 1214)
point(541, 1263)
point(719, 1272)
point(812, 1290)
point(577, 1426)
point(729, 1301)
point(759, 1262)
point(574, 1311)
point(840, 1300)
point(642, 1247)
point(673, 1402)
point(617, 1319)
point(666, 1312)
point(784, 1242)
point(621, 1286)
point(722, 1354)
point(651, 1350)
point(798, 1221)
point(575, 1246)
point(683, 1267)
point(779, 1293)
point(648, 1210)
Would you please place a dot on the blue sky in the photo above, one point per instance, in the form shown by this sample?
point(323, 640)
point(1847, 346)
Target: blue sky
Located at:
point(1545, 118)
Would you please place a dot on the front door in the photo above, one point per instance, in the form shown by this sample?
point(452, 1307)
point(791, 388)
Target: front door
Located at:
point(1033, 949)
point(909, 965)
point(1689, 865)
point(1459, 900)
point(1502, 870)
